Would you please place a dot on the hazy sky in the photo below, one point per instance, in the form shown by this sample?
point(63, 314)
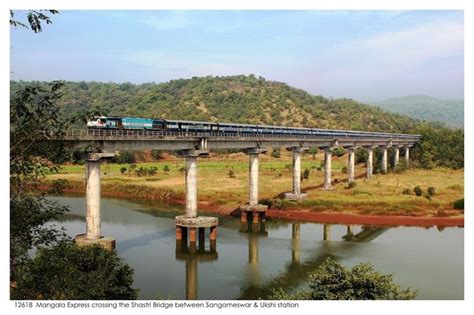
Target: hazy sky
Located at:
point(365, 55)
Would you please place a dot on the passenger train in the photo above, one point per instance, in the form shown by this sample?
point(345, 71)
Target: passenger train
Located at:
point(134, 123)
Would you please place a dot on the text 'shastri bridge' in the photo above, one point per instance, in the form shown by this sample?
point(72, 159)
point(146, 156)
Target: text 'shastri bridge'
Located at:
point(192, 142)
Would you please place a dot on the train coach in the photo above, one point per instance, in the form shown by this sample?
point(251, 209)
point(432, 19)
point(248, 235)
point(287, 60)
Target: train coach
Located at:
point(134, 123)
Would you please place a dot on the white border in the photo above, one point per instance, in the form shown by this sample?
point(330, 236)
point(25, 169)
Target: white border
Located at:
point(433, 307)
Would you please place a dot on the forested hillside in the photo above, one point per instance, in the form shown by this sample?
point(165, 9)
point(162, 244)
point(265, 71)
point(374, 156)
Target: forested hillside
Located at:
point(242, 99)
point(449, 112)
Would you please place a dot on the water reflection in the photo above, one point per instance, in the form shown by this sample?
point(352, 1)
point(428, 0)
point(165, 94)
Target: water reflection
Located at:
point(191, 255)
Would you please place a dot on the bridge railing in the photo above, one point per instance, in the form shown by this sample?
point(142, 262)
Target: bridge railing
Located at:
point(111, 134)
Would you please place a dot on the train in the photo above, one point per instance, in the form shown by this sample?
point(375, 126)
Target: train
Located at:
point(136, 123)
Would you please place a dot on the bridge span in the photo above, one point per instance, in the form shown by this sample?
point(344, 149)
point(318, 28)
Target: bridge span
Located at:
point(103, 143)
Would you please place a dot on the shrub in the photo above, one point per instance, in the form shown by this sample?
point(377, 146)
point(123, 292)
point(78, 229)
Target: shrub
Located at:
point(459, 204)
point(344, 169)
point(418, 191)
point(59, 185)
point(266, 202)
point(351, 185)
point(333, 281)
point(156, 154)
point(69, 272)
point(231, 173)
point(123, 170)
point(428, 196)
point(306, 173)
point(276, 153)
point(401, 167)
point(313, 151)
point(166, 168)
point(406, 191)
point(125, 157)
point(338, 152)
point(361, 155)
point(431, 191)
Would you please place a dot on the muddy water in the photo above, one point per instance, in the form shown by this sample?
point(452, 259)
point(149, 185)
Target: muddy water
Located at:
point(249, 261)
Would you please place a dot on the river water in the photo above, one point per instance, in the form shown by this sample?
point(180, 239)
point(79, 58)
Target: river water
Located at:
point(249, 261)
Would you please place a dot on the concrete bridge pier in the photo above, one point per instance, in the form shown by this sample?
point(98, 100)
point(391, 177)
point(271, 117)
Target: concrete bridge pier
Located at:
point(296, 194)
point(253, 208)
point(407, 156)
point(350, 164)
point(93, 219)
point(370, 161)
point(384, 160)
point(327, 168)
point(191, 222)
point(396, 158)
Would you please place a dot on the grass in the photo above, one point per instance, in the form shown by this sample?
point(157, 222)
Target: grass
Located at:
point(380, 195)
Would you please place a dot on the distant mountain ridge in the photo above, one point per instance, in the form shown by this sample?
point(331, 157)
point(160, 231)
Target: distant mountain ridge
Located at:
point(424, 107)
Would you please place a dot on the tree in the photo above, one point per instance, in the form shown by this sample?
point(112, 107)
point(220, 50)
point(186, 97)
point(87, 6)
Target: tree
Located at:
point(333, 281)
point(70, 272)
point(34, 120)
point(313, 151)
point(34, 19)
point(361, 155)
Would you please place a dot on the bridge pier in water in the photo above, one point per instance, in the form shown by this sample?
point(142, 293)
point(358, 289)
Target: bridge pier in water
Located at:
point(191, 222)
point(93, 219)
point(253, 208)
point(296, 194)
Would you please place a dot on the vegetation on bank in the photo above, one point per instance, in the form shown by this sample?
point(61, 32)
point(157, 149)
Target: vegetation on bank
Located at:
point(333, 281)
point(43, 262)
point(223, 182)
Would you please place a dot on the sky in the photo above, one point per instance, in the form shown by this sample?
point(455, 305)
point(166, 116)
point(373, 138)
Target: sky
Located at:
point(364, 55)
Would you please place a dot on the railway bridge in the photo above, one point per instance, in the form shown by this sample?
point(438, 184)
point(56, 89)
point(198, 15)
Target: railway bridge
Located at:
point(103, 143)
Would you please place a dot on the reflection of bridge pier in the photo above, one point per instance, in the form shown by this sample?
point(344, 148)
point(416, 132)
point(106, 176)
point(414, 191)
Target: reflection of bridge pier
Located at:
point(192, 256)
point(295, 243)
point(93, 219)
point(327, 232)
point(191, 221)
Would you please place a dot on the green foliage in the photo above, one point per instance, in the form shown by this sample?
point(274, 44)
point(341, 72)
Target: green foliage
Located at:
point(306, 173)
point(123, 169)
point(156, 154)
point(418, 191)
point(401, 167)
point(431, 191)
point(58, 186)
point(125, 157)
point(459, 204)
point(34, 19)
point(361, 155)
point(344, 170)
point(69, 272)
point(276, 153)
point(338, 152)
point(333, 281)
point(313, 151)
point(166, 168)
point(231, 173)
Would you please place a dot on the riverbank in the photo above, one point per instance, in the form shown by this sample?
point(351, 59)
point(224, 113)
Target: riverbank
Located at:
point(222, 187)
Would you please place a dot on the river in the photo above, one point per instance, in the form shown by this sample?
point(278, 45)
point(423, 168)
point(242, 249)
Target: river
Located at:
point(247, 265)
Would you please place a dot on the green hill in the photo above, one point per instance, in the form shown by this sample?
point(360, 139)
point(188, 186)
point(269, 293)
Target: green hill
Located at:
point(250, 99)
point(241, 99)
point(449, 112)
